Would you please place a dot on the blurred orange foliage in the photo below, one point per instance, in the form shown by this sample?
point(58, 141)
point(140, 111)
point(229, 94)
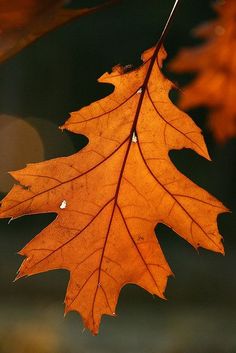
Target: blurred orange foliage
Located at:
point(24, 21)
point(215, 65)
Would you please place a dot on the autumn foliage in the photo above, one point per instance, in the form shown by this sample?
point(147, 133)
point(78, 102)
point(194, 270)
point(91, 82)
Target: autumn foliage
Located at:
point(109, 196)
point(24, 21)
point(215, 65)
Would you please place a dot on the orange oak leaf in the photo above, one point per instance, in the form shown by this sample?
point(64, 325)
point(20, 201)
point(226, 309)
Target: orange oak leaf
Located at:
point(215, 64)
point(24, 21)
point(109, 196)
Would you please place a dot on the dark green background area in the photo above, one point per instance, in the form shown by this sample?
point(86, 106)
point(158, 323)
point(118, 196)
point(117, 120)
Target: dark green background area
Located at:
point(57, 75)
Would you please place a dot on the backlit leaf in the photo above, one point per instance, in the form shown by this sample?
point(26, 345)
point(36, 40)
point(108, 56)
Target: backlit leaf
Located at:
point(109, 196)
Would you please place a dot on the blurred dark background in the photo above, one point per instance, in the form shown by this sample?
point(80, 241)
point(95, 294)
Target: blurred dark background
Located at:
point(38, 88)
